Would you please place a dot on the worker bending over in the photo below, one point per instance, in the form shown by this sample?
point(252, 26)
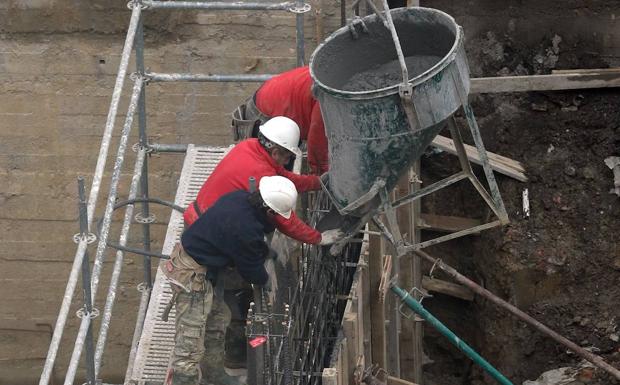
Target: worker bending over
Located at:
point(288, 94)
point(230, 236)
point(277, 141)
point(260, 157)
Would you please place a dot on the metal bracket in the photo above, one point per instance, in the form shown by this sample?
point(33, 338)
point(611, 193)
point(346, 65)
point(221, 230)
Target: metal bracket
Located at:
point(138, 146)
point(140, 218)
point(435, 264)
point(142, 287)
point(133, 3)
point(90, 238)
point(353, 23)
point(419, 295)
point(81, 313)
point(303, 9)
point(405, 91)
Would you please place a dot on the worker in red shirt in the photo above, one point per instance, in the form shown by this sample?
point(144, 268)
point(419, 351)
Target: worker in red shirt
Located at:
point(266, 155)
point(288, 94)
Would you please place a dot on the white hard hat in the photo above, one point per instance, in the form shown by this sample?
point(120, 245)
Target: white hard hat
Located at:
point(279, 194)
point(282, 131)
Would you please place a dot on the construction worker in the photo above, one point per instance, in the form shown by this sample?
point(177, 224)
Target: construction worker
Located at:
point(276, 142)
point(231, 233)
point(288, 94)
point(258, 157)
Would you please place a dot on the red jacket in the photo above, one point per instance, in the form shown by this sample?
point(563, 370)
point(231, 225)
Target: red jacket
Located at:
point(289, 94)
point(246, 159)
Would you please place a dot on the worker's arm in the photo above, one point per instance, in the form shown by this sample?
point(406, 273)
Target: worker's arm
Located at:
point(318, 155)
point(302, 183)
point(297, 229)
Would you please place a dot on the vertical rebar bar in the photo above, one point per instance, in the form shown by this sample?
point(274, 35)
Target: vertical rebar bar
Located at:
point(299, 24)
point(105, 229)
point(88, 305)
point(92, 199)
point(144, 180)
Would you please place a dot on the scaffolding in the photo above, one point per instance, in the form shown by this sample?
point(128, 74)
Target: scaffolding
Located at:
point(139, 187)
point(307, 344)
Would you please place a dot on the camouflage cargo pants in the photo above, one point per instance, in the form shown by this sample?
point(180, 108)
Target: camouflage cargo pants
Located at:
point(225, 333)
point(192, 311)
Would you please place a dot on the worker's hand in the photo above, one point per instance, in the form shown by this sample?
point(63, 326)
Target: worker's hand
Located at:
point(271, 286)
point(331, 236)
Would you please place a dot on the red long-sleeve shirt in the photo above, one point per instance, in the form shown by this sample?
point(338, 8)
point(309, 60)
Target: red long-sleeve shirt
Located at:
point(246, 159)
point(289, 94)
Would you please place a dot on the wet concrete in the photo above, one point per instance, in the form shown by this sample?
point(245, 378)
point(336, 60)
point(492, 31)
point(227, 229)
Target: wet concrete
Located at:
point(389, 74)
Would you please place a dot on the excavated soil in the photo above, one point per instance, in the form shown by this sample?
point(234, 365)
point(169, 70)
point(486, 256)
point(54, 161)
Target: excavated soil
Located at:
point(562, 263)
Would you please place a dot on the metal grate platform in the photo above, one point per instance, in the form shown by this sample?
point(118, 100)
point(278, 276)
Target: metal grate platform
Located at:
point(157, 338)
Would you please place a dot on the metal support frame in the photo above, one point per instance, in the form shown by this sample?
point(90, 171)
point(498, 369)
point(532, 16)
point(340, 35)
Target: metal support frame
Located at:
point(492, 199)
point(134, 39)
point(92, 199)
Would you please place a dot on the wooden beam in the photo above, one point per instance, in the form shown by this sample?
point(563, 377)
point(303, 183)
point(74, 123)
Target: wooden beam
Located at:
point(553, 82)
point(398, 381)
point(330, 376)
point(448, 288)
point(377, 309)
point(587, 71)
point(501, 164)
point(445, 223)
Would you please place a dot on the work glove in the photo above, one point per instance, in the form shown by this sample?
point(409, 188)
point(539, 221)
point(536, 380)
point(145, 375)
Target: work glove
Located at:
point(331, 236)
point(271, 286)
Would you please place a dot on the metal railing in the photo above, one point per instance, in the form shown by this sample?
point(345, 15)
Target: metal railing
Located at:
point(139, 185)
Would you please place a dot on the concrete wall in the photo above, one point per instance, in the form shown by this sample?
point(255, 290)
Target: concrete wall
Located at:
point(58, 60)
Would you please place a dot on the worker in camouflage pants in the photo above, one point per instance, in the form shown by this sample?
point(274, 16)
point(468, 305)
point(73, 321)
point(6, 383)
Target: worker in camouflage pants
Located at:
point(230, 235)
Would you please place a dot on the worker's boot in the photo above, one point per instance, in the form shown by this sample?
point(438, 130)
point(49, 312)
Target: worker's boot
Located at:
point(235, 342)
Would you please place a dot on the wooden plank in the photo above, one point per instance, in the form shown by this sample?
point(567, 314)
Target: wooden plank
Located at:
point(408, 337)
point(398, 381)
point(416, 270)
point(448, 288)
point(587, 71)
point(377, 310)
point(364, 303)
point(501, 164)
point(350, 330)
point(553, 82)
point(445, 223)
point(330, 376)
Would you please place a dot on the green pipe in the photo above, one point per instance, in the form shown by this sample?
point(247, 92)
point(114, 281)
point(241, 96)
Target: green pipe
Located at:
point(456, 341)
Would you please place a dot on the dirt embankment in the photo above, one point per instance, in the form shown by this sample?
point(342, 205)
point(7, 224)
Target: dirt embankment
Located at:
point(562, 263)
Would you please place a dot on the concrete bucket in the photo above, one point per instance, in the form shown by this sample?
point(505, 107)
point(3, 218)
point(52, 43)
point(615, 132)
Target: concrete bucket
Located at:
point(358, 82)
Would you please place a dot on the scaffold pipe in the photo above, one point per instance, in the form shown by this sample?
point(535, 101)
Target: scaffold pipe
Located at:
point(218, 5)
point(118, 262)
point(92, 199)
point(107, 220)
point(185, 77)
point(453, 338)
point(168, 147)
